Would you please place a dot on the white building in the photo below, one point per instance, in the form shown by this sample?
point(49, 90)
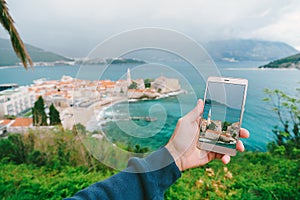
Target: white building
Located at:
point(13, 102)
point(140, 84)
point(165, 85)
point(146, 93)
point(135, 94)
point(129, 81)
point(121, 87)
point(208, 117)
point(233, 129)
point(58, 100)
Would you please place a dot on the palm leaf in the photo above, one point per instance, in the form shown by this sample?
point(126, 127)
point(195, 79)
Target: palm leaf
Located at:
point(16, 41)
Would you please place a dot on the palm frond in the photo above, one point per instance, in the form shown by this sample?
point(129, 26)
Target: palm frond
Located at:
point(16, 41)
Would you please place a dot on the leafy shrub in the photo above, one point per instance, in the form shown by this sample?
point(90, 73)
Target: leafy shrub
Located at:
point(53, 148)
point(287, 134)
point(37, 157)
point(31, 182)
point(251, 175)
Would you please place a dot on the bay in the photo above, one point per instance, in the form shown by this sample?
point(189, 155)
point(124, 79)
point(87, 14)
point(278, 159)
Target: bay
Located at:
point(259, 119)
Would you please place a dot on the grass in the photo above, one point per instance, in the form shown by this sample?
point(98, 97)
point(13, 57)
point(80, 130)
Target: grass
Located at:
point(248, 176)
point(53, 164)
point(28, 114)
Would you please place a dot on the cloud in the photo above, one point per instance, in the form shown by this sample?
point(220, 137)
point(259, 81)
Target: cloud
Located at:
point(285, 28)
point(73, 27)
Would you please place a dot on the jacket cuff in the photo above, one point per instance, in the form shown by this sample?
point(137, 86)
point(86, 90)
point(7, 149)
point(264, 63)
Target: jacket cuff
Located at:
point(159, 164)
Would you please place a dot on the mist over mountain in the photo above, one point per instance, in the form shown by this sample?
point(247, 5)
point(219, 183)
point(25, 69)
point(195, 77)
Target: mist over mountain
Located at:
point(248, 50)
point(234, 50)
point(221, 50)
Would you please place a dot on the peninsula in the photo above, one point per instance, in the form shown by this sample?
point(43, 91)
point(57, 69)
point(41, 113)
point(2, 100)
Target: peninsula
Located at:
point(290, 62)
point(78, 100)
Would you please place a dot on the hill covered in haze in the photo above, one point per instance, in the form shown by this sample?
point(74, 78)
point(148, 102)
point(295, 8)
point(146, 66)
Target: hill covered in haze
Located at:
point(8, 57)
point(235, 50)
point(248, 50)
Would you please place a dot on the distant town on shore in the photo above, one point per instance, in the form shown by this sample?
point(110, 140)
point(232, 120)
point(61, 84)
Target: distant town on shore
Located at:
point(75, 99)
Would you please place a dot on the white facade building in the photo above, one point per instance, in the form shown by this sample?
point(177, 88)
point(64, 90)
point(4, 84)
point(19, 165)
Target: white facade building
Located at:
point(129, 81)
point(165, 85)
point(121, 87)
point(140, 84)
point(13, 102)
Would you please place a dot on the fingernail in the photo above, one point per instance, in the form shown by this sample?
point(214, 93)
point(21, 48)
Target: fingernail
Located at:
point(226, 159)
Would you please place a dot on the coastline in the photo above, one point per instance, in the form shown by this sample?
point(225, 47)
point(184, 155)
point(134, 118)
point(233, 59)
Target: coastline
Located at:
point(10, 67)
point(95, 123)
point(99, 107)
point(260, 69)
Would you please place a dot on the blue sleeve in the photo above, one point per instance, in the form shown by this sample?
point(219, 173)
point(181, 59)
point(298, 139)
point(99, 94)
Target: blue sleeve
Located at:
point(144, 178)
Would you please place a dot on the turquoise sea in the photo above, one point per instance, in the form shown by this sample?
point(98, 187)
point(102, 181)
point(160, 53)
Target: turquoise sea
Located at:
point(259, 119)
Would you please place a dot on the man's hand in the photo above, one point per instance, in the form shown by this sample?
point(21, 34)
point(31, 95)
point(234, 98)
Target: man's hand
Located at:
point(183, 143)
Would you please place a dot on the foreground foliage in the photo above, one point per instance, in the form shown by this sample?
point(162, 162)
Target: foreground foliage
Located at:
point(54, 164)
point(252, 175)
point(248, 176)
point(287, 132)
point(30, 182)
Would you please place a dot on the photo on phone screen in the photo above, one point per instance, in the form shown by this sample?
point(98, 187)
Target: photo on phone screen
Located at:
point(222, 115)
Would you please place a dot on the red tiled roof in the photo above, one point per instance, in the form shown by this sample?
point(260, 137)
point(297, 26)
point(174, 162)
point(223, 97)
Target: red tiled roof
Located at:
point(22, 122)
point(136, 90)
point(5, 121)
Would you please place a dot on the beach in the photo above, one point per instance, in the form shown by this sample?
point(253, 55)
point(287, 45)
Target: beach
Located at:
point(87, 116)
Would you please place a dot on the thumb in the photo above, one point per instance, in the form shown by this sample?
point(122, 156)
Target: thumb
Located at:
point(196, 112)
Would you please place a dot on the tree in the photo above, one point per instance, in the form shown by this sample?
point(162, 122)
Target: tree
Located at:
point(16, 41)
point(225, 125)
point(147, 82)
point(78, 129)
point(137, 149)
point(38, 113)
point(54, 116)
point(133, 85)
point(287, 132)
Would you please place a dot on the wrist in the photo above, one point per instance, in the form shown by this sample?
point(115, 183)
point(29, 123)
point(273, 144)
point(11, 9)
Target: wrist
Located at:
point(176, 157)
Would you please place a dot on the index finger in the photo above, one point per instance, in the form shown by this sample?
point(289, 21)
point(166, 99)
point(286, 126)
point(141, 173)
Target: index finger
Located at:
point(244, 133)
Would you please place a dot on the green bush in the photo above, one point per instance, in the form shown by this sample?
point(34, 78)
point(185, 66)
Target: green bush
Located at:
point(53, 148)
point(252, 175)
point(31, 182)
point(287, 108)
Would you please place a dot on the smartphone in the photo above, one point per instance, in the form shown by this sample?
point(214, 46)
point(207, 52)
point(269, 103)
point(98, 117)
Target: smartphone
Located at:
point(224, 102)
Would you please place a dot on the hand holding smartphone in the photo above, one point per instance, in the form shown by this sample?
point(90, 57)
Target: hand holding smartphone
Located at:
point(224, 102)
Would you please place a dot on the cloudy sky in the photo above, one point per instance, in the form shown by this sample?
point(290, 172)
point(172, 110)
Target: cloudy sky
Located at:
point(74, 27)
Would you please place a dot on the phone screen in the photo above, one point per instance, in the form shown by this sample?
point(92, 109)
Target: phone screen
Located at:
point(221, 119)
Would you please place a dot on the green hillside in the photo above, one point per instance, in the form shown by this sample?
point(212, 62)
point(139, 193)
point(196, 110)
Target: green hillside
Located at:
point(53, 164)
point(8, 57)
point(288, 62)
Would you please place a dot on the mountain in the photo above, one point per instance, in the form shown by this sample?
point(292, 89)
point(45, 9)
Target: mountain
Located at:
point(288, 62)
point(248, 50)
point(220, 50)
point(8, 57)
point(105, 61)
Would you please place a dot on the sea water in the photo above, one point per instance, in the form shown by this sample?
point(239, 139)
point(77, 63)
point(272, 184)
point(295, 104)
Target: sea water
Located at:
point(259, 119)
